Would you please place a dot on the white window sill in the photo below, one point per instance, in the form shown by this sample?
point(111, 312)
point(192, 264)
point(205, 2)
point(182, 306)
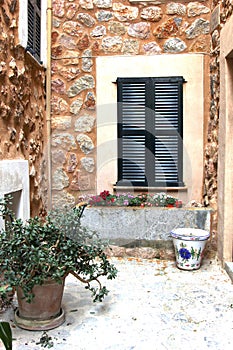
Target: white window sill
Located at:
point(150, 189)
point(34, 60)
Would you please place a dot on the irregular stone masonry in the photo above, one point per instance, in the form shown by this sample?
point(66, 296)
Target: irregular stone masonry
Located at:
point(85, 29)
point(22, 105)
point(211, 150)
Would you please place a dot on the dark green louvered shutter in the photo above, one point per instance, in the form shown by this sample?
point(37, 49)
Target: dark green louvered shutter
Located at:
point(131, 131)
point(150, 131)
point(34, 28)
point(168, 101)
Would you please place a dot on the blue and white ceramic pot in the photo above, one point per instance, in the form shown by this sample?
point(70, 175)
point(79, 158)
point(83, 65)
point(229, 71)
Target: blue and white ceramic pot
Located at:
point(189, 244)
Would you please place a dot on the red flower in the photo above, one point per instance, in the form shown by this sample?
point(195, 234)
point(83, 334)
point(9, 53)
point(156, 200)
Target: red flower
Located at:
point(178, 204)
point(104, 194)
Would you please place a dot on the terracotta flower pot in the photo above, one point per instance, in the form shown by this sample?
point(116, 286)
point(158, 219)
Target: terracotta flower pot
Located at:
point(44, 312)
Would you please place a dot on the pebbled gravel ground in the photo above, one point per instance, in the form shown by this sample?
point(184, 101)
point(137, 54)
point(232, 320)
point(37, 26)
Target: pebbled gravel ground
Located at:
point(152, 305)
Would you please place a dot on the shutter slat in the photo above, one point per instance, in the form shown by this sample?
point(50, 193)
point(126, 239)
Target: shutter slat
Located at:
point(166, 159)
point(37, 35)
point(133, 106)
point(133, 158)
point(166, 106)
point(30, 25)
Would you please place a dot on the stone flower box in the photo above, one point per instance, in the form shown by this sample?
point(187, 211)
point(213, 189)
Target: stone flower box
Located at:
point(131, 227)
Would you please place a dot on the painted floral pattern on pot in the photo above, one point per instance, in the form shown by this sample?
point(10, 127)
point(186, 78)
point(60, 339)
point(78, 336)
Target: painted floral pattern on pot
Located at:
point(188, 254)
point(184, 253)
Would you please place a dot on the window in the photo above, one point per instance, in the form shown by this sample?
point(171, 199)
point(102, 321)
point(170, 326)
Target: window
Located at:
point(150, 131)
point(34, 28)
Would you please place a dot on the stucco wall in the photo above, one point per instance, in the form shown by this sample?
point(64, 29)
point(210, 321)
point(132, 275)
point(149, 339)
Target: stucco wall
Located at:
point(22, 103)
point(193, 114)
point(87, 29)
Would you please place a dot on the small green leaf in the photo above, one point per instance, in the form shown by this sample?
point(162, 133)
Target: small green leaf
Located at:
point(6, 335)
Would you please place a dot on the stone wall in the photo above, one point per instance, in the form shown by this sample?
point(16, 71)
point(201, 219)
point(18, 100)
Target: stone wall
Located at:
point(211, 151)
point(226, 10)
point(22, 103)
point(85, 29)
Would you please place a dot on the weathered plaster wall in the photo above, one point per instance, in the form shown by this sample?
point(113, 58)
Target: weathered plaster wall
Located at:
point(22, 103)
point(86, 29)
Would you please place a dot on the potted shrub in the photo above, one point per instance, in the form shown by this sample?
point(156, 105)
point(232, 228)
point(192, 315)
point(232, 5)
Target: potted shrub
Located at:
point(36, 256)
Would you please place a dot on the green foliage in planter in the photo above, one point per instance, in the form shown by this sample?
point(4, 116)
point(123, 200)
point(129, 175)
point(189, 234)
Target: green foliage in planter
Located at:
point(51, 248)
point(6, 296)
point(105, 198)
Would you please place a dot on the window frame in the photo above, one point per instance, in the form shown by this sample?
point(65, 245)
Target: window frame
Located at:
point(23, 30)
point(151, 136)
point(34, 28)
